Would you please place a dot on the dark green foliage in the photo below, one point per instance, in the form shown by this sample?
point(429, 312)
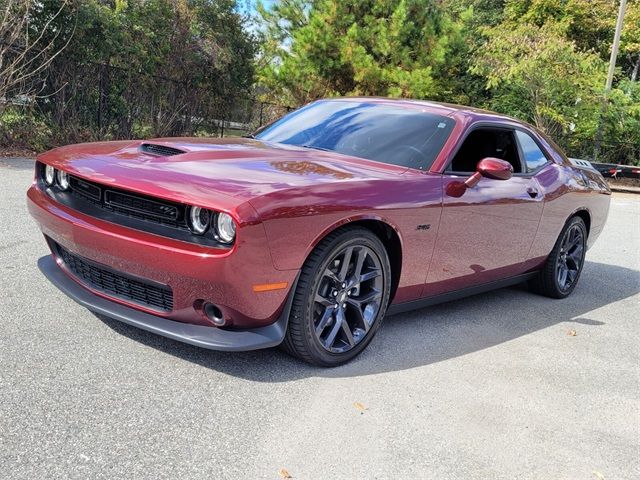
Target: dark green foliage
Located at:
point(352, 47)
point(543, 61)
point(143, 67)
point(138, 68)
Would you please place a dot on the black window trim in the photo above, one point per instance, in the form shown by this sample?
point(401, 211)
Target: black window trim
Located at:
point(499, 126)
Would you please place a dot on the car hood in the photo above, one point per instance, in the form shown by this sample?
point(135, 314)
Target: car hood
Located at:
point(202, 171)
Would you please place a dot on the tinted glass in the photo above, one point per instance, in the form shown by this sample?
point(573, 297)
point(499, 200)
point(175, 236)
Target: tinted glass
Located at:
point(399, 136)
point(533, 156)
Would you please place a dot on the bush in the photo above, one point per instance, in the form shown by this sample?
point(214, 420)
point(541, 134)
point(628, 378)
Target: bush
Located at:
point(21, 128)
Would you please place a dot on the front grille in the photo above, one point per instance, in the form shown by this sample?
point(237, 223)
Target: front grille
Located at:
point(84, 188)
point(128, 203)
point(103, 279)
point(162, 150)
point(137, 205)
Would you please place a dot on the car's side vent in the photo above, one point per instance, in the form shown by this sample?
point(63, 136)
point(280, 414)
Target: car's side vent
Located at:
point(581, 163)
point(163, 150)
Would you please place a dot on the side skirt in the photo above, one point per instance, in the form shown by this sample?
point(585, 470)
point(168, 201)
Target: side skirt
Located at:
point(458, 294)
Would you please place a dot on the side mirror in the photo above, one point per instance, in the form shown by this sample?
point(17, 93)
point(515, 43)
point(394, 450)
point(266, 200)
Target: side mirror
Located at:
point(495, 168)
point(489, 167)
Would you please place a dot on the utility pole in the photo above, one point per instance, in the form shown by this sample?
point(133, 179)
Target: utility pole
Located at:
point(612, 68)
point(616, 45)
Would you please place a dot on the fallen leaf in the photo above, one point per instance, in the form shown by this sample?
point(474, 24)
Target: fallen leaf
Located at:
point(598, 475)
point(360, 407)
point(284, 473)
point(572, 333)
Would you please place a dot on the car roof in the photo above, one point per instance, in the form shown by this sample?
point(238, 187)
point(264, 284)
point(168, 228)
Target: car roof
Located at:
point(446, 109)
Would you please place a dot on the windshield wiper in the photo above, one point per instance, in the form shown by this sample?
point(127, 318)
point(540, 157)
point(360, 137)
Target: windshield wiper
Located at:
point(314, 147)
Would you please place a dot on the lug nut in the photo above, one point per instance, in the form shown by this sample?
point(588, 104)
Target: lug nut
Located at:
point(344, 285)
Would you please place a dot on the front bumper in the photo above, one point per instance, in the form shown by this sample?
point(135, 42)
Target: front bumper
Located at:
point(193, 272)
point(198, 335)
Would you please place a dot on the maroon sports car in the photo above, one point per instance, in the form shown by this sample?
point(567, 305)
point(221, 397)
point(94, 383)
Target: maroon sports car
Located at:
point(309, 231)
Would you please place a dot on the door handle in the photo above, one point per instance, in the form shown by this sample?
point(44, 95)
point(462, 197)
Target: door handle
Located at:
point(533, 193)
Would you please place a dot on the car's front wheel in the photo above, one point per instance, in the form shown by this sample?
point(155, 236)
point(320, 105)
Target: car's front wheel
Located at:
point(340, 298)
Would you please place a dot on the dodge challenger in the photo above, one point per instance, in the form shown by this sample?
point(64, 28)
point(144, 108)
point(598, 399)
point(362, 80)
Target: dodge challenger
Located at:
point(308, 232)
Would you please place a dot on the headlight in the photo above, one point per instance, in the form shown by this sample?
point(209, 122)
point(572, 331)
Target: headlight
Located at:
point(49, 174)
point(225, 227)
point(63, 180)
point(199, 219)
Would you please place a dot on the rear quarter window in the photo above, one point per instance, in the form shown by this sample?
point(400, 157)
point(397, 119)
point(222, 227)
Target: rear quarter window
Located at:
point(534, 157)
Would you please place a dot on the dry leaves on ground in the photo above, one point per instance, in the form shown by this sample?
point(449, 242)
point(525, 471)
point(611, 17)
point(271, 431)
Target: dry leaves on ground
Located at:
point(284, 473)
point(572, 333)
point(360, 407)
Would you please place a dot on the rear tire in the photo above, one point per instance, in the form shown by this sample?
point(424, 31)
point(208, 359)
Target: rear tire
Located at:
point(340, 299)
point(561, 271)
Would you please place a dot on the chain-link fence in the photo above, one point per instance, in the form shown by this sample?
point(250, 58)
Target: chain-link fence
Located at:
point(96, 102)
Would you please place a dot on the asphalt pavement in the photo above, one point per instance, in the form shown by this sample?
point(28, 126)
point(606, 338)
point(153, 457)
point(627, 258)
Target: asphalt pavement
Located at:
point(504, 385)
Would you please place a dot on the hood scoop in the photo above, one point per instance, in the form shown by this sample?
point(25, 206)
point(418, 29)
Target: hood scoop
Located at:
point(161, 150)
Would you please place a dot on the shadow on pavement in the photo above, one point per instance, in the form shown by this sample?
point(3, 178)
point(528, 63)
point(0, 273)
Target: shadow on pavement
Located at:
point(425, 336)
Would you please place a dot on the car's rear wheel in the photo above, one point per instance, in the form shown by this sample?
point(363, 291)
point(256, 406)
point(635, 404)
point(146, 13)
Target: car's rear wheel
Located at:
point(340, 298)
point(562, 270)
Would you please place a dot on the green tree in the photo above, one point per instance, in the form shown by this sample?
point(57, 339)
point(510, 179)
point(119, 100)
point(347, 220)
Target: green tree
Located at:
point(545, 62)
point(147, 67)
point(622, 125)
point(199, 41)
point(630, 41)
point(28, 45)
point(537, 74)
point(330, 47)
point(589, 23)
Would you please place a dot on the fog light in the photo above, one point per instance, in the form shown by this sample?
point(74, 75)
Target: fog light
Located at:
point(214, 314)
point(49, 174)
point(63, 180)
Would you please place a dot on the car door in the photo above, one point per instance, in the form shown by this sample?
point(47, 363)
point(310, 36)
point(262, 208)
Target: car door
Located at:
point(486, 233)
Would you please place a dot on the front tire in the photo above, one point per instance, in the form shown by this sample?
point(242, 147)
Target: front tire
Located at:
point(340, 299)
point(562, 269)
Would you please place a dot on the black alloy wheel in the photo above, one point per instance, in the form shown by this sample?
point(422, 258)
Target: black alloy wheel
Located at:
point(347, 298)
point(570, 257)
point(560, 274)
point(340, 298)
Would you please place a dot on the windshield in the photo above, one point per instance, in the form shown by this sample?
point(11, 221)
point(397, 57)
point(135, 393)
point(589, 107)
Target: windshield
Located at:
point(389, 134)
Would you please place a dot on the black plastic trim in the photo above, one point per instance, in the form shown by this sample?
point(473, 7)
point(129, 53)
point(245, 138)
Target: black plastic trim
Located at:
point(162, 150)
point(499, 125)
point(162, 293)
point(96, 204)
point(201, 336)
point(458, 294)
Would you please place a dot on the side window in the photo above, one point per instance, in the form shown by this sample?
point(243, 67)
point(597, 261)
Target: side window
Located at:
point(533, 156)
point(486, 142)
